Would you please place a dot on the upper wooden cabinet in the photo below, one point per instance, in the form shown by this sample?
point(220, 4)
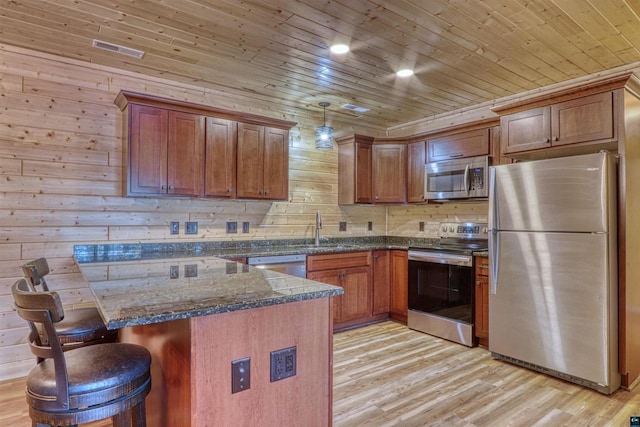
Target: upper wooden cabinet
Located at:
point(165, 152)
point(415, 171)
point(464, 144)
point(584, 120)
point(263, 162)
point(355, 169)
point(180, 148)
point(369, 173)
point(390, 173)
point(220, 158)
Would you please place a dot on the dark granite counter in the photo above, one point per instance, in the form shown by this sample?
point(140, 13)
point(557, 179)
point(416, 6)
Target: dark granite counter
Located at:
point(145, 291)
point(239, 249)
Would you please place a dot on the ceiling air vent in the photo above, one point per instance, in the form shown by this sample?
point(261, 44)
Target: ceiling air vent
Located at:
point(355, 108)
point(123, 50)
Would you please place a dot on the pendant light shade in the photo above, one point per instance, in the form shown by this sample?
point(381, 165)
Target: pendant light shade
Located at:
point(324, 133)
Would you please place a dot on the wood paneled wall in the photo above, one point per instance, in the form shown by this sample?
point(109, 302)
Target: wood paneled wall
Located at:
point(61, 181)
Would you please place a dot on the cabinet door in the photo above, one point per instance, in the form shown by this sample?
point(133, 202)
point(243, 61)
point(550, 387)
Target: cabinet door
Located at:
point(363, 174)
point(463, 144)
point(220, 158)
point(250, 161)
point(147, 168)
point(381, 281)
point(356, 300)
point(482, 299)
point(399, 285)
point(331, 277)
point(583, 120)
point(185, 148)
point(276, 164)
point(390, 173)
point(415, 172)
point(527, 130)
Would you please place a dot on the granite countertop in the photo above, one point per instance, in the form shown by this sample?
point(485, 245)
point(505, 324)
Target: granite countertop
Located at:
point(130, 293)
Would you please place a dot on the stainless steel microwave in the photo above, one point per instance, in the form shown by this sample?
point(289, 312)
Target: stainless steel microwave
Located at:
point(457, 179)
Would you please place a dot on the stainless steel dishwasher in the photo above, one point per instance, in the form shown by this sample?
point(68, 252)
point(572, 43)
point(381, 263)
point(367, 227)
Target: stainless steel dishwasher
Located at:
point(295, 265)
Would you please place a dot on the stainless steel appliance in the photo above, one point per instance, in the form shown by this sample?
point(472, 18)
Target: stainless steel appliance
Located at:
point(456, 179)
point(441, 282)
point(295, 265)
point(553, 268)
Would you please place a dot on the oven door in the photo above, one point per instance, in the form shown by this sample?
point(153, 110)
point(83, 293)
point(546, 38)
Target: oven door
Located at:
point(441, 296)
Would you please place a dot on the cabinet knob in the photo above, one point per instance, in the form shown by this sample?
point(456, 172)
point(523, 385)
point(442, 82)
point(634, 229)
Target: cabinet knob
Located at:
point(266, 192)
point(377, 197)
point(554, 138)
point(162, 187)
point(261, 192)
point(171, 187)
point(228, 190)
point(545, 139)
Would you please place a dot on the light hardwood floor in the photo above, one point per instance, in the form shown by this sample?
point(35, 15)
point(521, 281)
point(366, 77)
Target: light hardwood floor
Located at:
point(389, 375)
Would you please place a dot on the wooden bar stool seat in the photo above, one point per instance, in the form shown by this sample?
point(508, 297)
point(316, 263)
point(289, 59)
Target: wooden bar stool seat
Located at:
point(80, 326)
point(83, 384)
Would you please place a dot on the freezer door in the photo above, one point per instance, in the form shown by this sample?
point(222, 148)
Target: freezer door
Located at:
point(564, 194)
point(555, 303)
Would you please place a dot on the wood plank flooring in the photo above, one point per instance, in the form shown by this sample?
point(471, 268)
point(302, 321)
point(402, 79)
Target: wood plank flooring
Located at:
point(389, 375)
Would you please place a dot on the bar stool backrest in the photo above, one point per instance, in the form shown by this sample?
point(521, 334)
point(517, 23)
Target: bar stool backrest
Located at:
point(36, 270)
point(44, 308)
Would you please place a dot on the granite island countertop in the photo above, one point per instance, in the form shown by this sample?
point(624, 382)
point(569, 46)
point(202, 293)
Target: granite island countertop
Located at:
point(145, 291)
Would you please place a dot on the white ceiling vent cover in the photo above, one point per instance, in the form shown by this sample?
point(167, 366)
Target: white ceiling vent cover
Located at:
point(355, 108)
point(123, 50)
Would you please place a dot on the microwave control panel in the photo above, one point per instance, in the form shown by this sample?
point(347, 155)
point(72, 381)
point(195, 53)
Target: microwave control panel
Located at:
point(477, 179)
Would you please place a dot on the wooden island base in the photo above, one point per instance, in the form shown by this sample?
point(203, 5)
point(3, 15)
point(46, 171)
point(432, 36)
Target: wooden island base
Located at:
point(191, 368)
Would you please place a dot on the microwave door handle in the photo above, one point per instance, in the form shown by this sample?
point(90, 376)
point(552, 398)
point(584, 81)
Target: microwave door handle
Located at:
point(466, 179)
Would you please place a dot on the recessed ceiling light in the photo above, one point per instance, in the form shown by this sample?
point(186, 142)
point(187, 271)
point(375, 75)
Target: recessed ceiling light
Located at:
point(339, 48)
point(405, 73)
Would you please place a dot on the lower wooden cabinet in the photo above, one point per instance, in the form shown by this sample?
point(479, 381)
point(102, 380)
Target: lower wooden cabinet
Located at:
point(381, 281)
point(352, 272)
point(399, 266)
point(482, 300)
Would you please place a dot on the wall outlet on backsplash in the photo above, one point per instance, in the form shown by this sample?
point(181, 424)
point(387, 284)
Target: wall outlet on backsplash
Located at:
point(245, 227)
point(232, 227)
point(190, 227)
point(421, 226)
point(343, 225)
point(370, 225)
point(174, 227)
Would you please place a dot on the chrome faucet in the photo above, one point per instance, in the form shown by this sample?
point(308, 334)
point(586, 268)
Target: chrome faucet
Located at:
point(318, 227)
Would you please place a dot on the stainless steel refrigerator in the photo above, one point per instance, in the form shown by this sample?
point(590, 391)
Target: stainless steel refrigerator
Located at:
point(553, 289)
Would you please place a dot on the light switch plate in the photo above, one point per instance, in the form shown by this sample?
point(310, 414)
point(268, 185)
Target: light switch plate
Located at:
point(240, 375)
point(174, 227)
point(343, 226)
point(232, 227)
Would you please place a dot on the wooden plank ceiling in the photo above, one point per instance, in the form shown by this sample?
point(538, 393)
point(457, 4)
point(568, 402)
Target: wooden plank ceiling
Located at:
point(464, 52)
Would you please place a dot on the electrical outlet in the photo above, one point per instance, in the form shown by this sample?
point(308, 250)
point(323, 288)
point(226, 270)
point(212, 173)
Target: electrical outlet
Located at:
point(240, 375)
point(174, 227)
point(191, 270)
point(174, 272)
point(232, 227)
point(283, 363)
point(370, 226)
point(245, 227)
point(421, 225)
point(343, 225)
point(190, 227)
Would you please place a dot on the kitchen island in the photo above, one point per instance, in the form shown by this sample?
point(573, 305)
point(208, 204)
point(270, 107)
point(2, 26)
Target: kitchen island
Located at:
point(197, 315)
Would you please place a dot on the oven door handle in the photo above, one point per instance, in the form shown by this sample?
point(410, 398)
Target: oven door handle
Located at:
point(441, 258)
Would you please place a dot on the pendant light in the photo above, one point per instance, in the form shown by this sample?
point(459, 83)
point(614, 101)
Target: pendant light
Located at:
point(324, 133)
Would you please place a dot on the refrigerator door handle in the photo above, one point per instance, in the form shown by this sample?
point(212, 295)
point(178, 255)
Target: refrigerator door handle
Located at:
point(466, 179)
point(494, 242)
point(494, 256)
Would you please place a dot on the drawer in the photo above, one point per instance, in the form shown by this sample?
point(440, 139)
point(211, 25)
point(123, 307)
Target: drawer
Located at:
point(338, 260)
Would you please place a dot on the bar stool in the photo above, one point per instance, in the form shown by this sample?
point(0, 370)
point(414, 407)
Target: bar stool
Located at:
point(80, 326)
point(86, 383)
